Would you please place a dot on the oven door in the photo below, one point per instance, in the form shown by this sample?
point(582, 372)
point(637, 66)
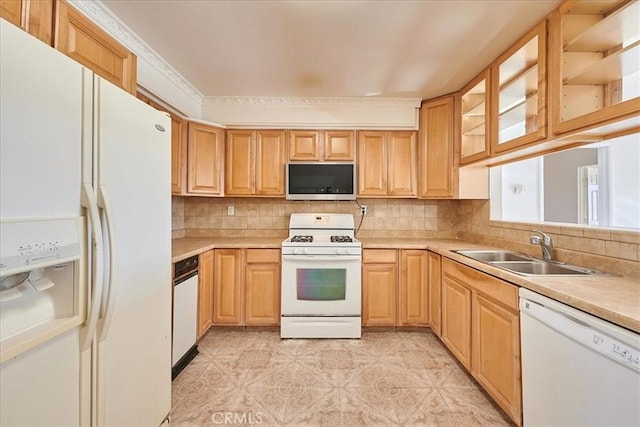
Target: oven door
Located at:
point(321, 285)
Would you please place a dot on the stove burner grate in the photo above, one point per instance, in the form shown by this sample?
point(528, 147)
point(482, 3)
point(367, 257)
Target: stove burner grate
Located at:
point(341, 239)
point(302, 239)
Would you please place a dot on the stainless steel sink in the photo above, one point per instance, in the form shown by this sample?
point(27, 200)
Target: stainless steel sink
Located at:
point(538, 268)
point(492, 256)
point(525, 265)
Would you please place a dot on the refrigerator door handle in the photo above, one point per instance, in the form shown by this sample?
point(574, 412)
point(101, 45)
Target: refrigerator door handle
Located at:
point(109, 303)
point(89, 328)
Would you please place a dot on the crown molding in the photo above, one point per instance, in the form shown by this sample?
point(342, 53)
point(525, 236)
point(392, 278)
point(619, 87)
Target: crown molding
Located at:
point(310, 101)
point(105, 18)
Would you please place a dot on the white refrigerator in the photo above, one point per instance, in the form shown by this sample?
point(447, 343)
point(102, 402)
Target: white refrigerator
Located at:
point(85, 212)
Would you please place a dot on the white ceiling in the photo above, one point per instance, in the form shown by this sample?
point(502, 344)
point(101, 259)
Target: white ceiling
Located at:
point(322, 48)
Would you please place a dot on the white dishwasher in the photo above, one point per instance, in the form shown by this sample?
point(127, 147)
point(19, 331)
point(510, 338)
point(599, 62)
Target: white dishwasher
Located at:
point(185, 312)
point(577, 369)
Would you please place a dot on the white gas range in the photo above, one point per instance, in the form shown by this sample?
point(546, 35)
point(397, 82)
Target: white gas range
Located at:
point(321, 278)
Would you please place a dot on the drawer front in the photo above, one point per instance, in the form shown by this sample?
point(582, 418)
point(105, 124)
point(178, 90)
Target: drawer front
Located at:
point(484, 284)
point(370, 256)
point(268, 256)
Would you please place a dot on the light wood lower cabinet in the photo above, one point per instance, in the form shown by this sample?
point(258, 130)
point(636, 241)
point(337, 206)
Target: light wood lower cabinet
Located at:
point(413, 288)
point(480, 325)
point(262, 287)
point(434, 287)
point(394, 287)
point(228, 287)
point(246, 288)
point(205, 293)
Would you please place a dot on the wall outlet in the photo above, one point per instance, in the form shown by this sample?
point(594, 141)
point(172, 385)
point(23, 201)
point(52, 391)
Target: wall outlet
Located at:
point(231, 210)
point(363, 209)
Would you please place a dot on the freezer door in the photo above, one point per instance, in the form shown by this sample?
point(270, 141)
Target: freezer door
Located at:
point(40, 137)
point(133, 142)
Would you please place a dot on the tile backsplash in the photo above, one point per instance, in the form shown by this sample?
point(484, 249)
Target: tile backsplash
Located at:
point(199, 216)
point(614, 251)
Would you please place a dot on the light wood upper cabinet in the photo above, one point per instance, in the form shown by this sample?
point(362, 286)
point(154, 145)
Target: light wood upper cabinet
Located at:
point(79, 38)
point(205, 151)
point(33, 16)
point(262, 287)
point(436, 148)
point(593, 61)
point(305, 145)
point(474, 119)
point(413, 288)
point(270, 160)
point(314, 145)
point(434, 272)
point(179, 137)
point(387, 164)
point(339, 145)
point(518, 84)
point(228, 287)
point(255, 163)
point(205, 293)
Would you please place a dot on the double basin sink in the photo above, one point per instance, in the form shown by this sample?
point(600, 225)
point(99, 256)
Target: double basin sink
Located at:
point(525, 265)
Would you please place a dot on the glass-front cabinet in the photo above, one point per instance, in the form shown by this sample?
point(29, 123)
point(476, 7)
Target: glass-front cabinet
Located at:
point(595, 63)
point(519, 93)
point(474, 104)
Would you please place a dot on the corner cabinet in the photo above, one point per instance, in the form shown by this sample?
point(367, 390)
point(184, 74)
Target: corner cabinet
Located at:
point(255, 163)
point(386, 164)
point(594, 65)
point(79, 38)
point(518, 85)
point(205, 160)
point(434, 291)
point(481, 327)
point(436, 148)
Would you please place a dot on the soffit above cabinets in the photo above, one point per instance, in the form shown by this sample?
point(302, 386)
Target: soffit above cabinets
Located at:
point(379, 49)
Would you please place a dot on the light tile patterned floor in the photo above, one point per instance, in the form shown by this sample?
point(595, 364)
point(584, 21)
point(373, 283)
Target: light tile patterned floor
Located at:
point(384, 379)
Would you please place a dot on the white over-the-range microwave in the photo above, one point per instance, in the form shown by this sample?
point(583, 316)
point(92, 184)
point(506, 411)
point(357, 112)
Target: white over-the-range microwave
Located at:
point(321, 181)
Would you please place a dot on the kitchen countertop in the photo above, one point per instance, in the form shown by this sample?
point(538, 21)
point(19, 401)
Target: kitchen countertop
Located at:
point(614, 298)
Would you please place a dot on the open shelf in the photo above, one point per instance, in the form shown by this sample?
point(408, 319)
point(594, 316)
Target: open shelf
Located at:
point(608, 69)
point(603, 34)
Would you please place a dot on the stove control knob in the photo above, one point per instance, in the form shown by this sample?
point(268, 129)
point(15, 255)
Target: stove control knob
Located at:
point(347, 251)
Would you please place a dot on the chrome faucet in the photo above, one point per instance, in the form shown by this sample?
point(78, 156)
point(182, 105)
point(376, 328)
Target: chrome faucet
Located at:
point(545, 242)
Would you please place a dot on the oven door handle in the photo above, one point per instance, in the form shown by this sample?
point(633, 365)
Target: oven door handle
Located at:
point(323, 258)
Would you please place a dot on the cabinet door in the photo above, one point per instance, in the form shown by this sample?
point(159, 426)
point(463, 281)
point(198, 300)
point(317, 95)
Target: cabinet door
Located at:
point(593, 64)
point(205, 293)
point(205, 148)
point(239, 171)
point(402, 164)
point(79, 38)
point(263, 294)
point(496, 353)
point(436, 148)
point(11, 10)
point(38, 19)
point(379, 294)
point(178, 154)
point(413, 288)
point(304, 145)
point(456, 319)
point(474, 128)
point(518, 86)
point(372, 164)
point(339, 145)
point(228, 285)
point(434, 271)
point(270, 160)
